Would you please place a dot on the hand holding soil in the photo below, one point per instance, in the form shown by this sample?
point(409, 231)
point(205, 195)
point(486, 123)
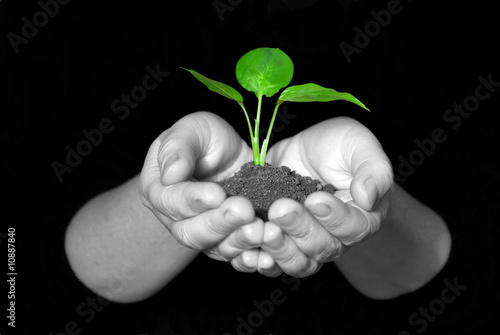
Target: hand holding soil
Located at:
point(299, 238)
point(176, 185)
point(341, 152)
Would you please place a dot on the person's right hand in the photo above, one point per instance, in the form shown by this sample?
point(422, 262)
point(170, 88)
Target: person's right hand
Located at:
point(175, 184)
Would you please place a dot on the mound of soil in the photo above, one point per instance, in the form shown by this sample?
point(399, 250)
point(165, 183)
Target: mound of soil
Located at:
point(262, 185)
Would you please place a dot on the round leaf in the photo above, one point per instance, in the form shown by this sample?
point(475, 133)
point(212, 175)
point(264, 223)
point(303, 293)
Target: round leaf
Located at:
point(264, 71)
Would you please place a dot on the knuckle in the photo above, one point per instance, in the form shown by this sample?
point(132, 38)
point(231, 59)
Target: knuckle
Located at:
point(183, 236)
point(179, 233)
point(349, 241)
point(303, 232)
point(243, 241)
point(215, 225)
point(357, 233)
point(166, 142)
point(328, 253)
point(177, 204)
point(216, 254)
point(229, 248)
point(337, 226)
point(289, 262)
point(353, 231)
point(302, 270)
point(311, 268)
point(167, 204)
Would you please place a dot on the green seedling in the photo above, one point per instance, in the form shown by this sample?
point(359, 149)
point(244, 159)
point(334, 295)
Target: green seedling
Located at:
point(265, 71)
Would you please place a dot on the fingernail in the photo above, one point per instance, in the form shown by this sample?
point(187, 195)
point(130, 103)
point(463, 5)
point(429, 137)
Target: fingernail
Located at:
point(167, 164)
point(287, 218)
point(230, 215)
point(248, 261)
point(209, 190)
point(372, 191)
point(275, 240)
point(320, 210)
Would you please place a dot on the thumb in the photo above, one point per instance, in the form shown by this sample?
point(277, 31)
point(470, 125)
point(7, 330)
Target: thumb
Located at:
point(176, 163)
point(371, 180)
point(202, 145)
point(180, 147)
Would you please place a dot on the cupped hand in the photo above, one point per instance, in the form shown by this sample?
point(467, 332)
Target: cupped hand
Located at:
point(176, 185)
point(340, 151)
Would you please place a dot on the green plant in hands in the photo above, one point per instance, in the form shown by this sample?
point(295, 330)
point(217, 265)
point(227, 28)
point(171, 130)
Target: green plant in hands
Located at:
point(265, 71)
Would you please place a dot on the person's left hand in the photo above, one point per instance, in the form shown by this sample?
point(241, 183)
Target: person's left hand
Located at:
point(340, 151)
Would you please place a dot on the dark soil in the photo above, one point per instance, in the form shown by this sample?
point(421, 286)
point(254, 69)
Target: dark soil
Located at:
point(262, 185)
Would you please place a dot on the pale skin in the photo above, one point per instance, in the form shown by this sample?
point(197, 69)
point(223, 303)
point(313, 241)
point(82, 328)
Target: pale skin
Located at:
point(384, 241)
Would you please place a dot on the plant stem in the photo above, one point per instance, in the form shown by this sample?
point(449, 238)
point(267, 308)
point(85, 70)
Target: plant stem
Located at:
point(256, 157)
point(255, 141)
point(263, 151)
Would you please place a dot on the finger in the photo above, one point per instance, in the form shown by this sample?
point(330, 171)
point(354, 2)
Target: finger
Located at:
point(356, 160)
point(184, 200)
point(209, 228)
point(247, 261)
point(305, 231)
point(244, 238)
point(180, 146)
point(267, 266)
point(285, 252)
point(372, 174)
point(200, 145)
point(345, 221)
point(214, 253)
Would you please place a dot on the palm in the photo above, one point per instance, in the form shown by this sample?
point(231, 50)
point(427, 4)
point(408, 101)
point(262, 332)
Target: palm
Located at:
point(205, 147)
point(336, 151)
point(342, 152)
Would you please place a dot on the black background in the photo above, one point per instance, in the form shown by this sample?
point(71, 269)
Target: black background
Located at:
point(65, 78)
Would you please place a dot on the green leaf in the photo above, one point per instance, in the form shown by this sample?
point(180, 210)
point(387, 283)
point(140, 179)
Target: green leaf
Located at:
point(264, 71)
point(314, 92)
point(217, 87)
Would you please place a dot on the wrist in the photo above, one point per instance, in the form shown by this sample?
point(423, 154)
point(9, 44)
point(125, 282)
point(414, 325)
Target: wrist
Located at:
point(412, 246)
